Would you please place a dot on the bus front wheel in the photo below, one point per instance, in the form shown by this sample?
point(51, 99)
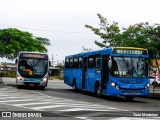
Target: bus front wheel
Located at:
point(19, 86)
point(97, 90)
point(42, 87)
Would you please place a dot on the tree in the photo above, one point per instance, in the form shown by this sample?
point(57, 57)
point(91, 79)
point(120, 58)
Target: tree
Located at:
point(146, 36)
point(110, 33)
point(138, 35)
point(13, 40)
point(60, 65)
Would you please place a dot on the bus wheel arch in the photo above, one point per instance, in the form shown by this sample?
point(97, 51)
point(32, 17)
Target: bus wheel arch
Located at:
point(74, 84)
point(97, 89)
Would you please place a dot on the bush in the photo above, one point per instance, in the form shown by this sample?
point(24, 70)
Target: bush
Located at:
point(8, 74)
point(56, 77)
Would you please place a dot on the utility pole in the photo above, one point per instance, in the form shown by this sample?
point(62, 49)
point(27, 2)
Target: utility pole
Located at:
point(52, 58)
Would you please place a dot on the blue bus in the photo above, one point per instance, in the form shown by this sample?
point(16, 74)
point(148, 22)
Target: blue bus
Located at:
point(32, 69)
point(116, 71)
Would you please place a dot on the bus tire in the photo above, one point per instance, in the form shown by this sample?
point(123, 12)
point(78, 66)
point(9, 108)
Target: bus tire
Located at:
point(19, 86)
point(97, 90)
point(74, 85)
point(42, 87)
point(129, 98)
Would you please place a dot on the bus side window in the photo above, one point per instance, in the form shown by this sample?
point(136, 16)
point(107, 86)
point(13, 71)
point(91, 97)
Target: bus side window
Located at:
point(97, 61)
point(80, 62)
point(71, 63)
point(91, 61)
point(75, 62)
point(67, 63)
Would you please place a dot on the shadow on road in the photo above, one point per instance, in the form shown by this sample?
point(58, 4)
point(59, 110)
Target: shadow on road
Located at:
point(103, 97)
point(79, 93)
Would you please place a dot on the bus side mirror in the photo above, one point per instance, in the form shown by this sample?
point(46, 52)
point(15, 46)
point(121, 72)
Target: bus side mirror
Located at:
point(16, 61)
point(49, 63)
point(109, 63)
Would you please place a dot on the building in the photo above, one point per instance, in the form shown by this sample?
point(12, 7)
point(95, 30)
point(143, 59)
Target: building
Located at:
point(54, 71)
point(8, 66)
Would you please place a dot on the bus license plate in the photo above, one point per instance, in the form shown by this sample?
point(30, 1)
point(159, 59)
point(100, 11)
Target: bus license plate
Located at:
point(132, 91)
point(31, 84)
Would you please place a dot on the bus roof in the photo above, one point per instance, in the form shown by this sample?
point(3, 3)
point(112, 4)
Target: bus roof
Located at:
point(109, 50)
point(31, 52)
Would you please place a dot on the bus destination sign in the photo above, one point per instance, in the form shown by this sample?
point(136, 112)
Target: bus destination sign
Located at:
point(129, 51)
point(33, 55)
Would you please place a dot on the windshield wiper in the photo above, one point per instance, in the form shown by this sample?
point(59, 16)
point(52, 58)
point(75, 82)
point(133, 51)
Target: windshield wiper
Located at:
point(37, 63)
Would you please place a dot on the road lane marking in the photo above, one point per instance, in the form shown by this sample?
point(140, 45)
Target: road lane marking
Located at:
point(84, 109)
point(136, 118)
point(46, 107)
point(83, 118)
point(3, 95)
point(16, 100)
point(75, 109)
point(27, 104)
point(48, 102)
point(7, 97)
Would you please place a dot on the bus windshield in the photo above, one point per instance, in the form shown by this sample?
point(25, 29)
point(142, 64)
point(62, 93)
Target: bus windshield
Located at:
point(33, 67)
point(129, 67)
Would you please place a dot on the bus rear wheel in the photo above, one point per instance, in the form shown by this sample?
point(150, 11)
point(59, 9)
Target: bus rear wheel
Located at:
point(97, 90)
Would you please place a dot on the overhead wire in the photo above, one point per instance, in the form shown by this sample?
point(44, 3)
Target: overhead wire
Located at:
point(59, 31)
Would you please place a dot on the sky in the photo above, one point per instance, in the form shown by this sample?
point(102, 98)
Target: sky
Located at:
point(63, 21)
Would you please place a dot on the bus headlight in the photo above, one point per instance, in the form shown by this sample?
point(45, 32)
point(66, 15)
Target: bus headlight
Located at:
point(45, 79)
point(114, 85)
point(147, 86)
point(19, 77)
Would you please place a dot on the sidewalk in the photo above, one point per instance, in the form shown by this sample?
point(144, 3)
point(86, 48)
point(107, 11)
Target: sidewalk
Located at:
point(154, 92)
point(2, 84)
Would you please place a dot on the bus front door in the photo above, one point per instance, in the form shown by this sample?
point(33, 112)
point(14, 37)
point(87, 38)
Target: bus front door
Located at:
point(105, 72)
point(84, 69)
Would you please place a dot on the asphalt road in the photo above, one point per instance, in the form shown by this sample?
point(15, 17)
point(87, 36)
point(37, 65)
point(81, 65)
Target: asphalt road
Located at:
point(59, 101)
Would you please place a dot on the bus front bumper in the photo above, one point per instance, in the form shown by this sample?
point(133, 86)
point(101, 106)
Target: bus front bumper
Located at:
point(31, 83)
point(127, 92)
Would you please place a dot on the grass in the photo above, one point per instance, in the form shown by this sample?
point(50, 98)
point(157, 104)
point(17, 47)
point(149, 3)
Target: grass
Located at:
point(56, 77)
point(8, 74)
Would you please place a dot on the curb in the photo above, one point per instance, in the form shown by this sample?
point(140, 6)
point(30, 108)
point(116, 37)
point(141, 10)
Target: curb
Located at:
point(154, 95)
point(2, 85)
